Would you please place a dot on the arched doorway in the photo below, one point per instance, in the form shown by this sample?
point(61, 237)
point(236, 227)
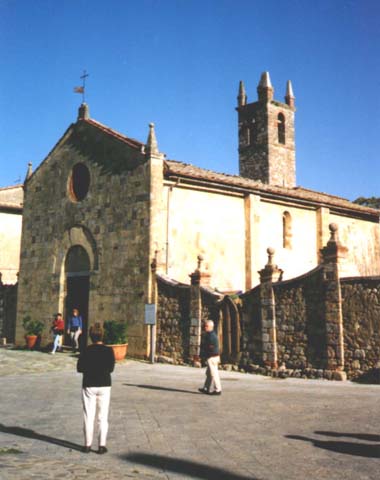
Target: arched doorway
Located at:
point(77, 269)
point(230, 332)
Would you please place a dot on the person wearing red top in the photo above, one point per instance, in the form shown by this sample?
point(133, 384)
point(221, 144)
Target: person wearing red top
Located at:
point(58, 330)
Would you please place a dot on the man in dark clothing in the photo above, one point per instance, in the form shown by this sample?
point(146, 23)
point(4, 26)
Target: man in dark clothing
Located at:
point(210, 352)
point(96, 363)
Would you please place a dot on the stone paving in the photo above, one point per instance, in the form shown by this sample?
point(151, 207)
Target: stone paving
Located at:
point(162, 428)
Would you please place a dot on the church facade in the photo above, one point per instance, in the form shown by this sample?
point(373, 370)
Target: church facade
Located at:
point(102, 206)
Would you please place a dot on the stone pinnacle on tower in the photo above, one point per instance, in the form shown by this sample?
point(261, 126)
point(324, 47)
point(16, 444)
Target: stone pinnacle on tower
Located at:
point(289, 97)
point(83, 112)
point(151, 147)
point(242, 97)
point(265, 90)
point(29, 172)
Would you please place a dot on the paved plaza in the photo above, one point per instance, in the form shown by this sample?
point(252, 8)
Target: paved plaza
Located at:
point(161, 427)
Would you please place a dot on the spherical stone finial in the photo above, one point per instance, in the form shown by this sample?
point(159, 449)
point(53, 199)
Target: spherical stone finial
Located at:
point(151, 125)
point(270, 252)
point(333, 227)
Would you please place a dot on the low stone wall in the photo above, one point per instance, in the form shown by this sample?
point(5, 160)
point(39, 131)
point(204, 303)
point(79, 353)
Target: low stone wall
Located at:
point(361, 320)
point(8, 306)
point(251, 343)
point(174, 318)
point(304, 316)
point(301, 332)
point(173, 321)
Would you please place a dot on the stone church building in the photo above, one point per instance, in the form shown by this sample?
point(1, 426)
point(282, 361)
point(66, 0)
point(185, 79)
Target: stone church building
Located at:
point(101, 206)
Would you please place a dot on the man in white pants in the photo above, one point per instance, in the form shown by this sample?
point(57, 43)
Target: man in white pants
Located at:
point(210, 352)
point(96, 363)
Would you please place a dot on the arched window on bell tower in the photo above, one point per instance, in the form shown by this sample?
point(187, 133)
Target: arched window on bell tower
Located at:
point(286, 230)
point(281, 128)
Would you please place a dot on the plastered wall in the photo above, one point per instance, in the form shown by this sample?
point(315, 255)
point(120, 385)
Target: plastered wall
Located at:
point(10, 234)
point(209, 224)
point(363, 242)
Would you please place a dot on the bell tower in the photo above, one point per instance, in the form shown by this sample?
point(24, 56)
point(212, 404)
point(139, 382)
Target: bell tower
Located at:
point(266, 135)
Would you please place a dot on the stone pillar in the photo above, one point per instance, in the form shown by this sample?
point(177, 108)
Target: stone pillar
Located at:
point(152, 331)
point(154, 165)
point(331, 256)
point(198, 279)
point(269, 274)
point(153, 288)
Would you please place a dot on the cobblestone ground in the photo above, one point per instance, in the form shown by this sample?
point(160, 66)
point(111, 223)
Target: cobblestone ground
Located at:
point(162, 428)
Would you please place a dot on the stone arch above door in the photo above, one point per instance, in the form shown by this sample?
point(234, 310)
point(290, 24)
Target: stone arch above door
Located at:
point(80, 235)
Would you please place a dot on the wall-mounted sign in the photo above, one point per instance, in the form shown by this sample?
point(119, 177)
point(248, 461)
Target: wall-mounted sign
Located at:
point(150, 314)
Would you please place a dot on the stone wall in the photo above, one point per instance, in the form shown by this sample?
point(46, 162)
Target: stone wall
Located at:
point(318, 325)
point(251, 328)
point(301, 334)
point(111, 223)
point(262, 156)
point(177, 308)
point(361, 320)
point(173, 320)
point(8, 303)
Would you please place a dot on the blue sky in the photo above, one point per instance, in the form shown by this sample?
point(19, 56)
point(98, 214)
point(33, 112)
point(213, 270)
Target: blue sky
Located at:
point(178, 63)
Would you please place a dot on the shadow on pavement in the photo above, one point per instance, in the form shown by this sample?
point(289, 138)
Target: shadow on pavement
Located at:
point(187, 467)
point(27, 433)
point(348, 448)
point(360, 436)
point(155, 387)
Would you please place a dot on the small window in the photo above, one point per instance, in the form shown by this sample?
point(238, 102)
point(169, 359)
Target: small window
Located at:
point(79, 183)
point(253, 131)
point(281, 128)
point(286, 230)
point(247, 136)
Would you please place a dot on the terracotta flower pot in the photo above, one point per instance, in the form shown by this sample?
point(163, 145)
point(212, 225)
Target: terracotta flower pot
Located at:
point(31, 341)
point(119, 350)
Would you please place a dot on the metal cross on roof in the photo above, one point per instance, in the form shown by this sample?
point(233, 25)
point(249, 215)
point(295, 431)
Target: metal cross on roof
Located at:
point(82, 89)
point(83, 77)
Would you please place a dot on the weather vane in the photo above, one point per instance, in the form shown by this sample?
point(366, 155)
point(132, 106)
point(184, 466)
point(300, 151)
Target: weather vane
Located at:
point(82, 88)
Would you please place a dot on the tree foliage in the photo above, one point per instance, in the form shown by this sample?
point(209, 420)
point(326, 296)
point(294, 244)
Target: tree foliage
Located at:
point(373, 202)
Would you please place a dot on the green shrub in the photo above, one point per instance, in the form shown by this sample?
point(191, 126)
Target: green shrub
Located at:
point(32, 327)
point(115, 332)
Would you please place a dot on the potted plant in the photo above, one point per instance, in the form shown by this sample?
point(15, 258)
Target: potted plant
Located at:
point(33, 329)
point(115, 336)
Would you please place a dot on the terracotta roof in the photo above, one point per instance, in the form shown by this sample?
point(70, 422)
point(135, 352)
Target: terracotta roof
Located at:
point(129, 141)
point(173, 168)
point(12, 197)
